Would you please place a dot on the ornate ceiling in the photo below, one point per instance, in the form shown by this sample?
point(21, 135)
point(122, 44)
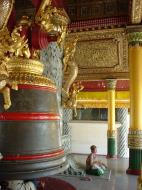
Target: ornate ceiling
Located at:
point(24, 7)
point(94, 9)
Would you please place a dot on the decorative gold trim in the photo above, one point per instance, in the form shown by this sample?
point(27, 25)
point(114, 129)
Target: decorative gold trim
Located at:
point(99, 99)
point(97, 96)
point(31, 79)
point(102, 104)
point(111, 133)
point(135, 139)
point(136, 11)
point(23, 65)
point(100, 75)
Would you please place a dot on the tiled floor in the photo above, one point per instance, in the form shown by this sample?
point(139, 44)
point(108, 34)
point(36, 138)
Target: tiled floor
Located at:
point(119, 179)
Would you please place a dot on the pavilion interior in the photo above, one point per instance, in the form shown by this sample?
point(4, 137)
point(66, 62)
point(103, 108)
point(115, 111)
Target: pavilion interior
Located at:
point(101, 28)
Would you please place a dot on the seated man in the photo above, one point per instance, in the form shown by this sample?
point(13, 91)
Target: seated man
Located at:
point(94, 167)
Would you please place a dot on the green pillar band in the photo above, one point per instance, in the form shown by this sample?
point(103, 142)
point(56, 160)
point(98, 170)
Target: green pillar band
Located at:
point(111, 146)
point(135, 160)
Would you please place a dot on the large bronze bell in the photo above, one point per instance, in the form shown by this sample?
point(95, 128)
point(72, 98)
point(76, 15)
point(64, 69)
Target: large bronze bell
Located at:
point(30, 140)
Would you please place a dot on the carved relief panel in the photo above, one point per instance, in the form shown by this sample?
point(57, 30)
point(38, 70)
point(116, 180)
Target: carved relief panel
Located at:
point(102, 54)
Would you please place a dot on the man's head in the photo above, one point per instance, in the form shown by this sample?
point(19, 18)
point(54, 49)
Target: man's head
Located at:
point(93, 148)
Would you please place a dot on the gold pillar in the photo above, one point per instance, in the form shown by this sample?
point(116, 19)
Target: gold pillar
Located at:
point(135, 131)
point(111, 133)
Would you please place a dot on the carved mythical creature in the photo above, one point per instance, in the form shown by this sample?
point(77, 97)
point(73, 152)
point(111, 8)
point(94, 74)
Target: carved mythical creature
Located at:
point(70, 65)
point(52, 20)
point(4, 81)
point(69, 95)
point(72, 100)
point(10, 46)
point(18, 45)
point(5, 90)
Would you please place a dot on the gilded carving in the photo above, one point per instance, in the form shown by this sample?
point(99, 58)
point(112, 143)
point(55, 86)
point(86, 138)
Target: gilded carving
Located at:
point(17, 65)
point(101, 54)
point(111, 133)
point(136, 11)
point(100, 51)
point(52, 20)
point(31, 79)
point(69, 93)
point(5, 90)
point(10, 46)
point(71, 101)
point(25, 66)
point(70, 64)
point(135, 139)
